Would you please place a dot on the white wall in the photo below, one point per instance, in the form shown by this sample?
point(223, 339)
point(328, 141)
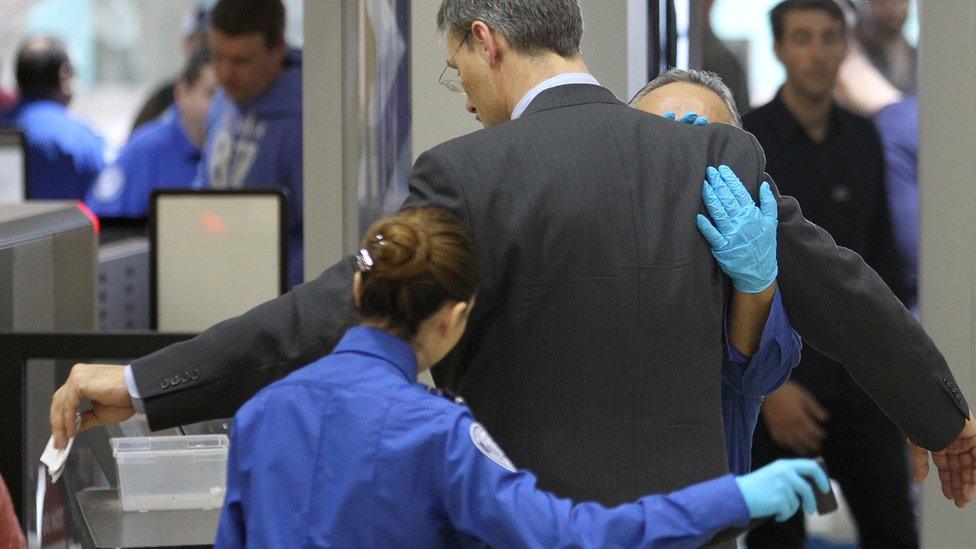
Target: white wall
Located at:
point(947, 84)
point(438, 113)
point(322, 78)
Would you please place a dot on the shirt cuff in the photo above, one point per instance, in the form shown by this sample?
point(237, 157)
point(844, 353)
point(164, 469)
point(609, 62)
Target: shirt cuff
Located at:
point(130, 385)
point(723, 499)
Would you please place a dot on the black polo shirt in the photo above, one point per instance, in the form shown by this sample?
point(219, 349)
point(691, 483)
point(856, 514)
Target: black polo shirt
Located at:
point(839, 184)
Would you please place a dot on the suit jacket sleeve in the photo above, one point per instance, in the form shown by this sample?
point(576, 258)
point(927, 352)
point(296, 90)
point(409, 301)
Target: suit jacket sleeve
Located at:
point(841, 307)
point(211, 375)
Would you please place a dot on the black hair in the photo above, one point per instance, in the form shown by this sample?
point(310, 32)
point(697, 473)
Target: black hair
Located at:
point(40, 62)
point(777, 17)
point(239, 17)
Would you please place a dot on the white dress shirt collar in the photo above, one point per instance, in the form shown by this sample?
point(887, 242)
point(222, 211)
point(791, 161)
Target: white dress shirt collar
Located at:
point(558, 80)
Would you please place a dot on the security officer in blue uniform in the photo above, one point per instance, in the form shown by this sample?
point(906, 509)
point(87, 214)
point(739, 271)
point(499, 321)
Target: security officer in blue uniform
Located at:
point(351, 451)
point(64, 154)
point(162, 154)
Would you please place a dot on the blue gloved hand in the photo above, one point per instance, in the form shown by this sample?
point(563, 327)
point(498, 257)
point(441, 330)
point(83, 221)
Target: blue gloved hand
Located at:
point(743, 238)
point(779, 488)
point(689, 118)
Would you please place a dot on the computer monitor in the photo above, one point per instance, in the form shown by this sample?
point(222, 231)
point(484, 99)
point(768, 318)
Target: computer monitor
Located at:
point(214, 255)
point(13, 167)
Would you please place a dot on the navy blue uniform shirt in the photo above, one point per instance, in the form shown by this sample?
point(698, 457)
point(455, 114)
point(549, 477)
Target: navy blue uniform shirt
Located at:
point(64, 154)
point(159, 155)
point(351, 451)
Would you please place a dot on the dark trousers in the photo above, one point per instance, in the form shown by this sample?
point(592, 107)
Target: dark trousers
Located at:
point(866, 454)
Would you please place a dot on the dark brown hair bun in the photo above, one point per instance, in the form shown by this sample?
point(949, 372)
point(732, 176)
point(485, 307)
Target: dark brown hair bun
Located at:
point(422, 258)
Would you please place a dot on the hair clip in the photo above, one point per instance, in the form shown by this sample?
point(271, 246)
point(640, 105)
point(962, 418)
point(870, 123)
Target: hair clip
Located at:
point(364, 261)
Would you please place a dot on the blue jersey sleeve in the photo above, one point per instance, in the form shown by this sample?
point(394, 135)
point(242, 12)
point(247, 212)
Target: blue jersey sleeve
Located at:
point(484, 496)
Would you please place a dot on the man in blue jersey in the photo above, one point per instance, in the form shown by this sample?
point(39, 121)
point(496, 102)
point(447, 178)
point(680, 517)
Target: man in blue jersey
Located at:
point(254, 128)
point(162, 154)
point(64, 154)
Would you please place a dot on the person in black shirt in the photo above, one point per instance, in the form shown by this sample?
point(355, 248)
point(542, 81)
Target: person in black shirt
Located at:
point(831, 160)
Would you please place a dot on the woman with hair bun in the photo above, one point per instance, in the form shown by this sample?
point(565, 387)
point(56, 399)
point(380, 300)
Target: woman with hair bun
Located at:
point(350, 451)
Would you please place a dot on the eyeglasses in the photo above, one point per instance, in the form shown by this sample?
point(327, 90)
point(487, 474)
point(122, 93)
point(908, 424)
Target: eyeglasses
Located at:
point(452, 81)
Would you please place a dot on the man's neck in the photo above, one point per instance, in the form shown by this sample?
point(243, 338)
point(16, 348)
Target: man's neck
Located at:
point(813, 113)
point(531, 71)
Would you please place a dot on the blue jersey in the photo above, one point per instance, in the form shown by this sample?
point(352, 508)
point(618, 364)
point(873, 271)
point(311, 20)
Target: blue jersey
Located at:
point(159, 155)
point(64, 154)
point(746, 380)
point(259, 146)
point(351, 451)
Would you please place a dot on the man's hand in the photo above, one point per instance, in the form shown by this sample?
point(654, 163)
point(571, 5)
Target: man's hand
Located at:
point(956, 464)
point(793, 417)
point(104, 385)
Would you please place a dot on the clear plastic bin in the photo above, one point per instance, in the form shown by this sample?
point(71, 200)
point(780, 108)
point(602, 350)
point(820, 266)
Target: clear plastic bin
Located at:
point(164, 473)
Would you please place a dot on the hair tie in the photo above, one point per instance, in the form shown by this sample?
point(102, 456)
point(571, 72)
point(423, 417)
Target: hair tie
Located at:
point(364, 261)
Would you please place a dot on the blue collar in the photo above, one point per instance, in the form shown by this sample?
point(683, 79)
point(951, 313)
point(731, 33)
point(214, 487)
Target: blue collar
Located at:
point(179, 135)
point(382, 345)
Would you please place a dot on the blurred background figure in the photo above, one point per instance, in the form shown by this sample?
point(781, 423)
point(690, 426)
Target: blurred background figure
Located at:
point(254, 128)
point(717, 58)
point(194, 32)
point(831, 160)
point(11, 536)
point(864, 90)
point(162, 153)
point(65, 155)
point(7, 98)
point(880, 32)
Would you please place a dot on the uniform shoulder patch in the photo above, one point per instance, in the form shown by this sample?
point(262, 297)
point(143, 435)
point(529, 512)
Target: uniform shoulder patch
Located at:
point(109, 185)
point(487, 446)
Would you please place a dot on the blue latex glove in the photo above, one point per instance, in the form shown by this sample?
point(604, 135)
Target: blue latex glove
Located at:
point(689, 118)
point(743, 238)
point(779, 488)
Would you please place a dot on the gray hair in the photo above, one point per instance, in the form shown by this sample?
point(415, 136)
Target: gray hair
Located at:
point(705, 79)
point(531, 26)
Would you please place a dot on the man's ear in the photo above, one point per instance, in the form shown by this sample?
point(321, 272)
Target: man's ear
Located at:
point(357, 290)
point(487, 41)
point(280, 49)
point(66, 75)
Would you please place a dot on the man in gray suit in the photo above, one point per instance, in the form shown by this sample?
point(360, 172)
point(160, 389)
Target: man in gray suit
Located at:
point(594, 345)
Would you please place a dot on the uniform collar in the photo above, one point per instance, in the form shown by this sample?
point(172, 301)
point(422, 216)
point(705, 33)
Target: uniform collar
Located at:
point(180, 138)
point(382, 345)
point(42, 103)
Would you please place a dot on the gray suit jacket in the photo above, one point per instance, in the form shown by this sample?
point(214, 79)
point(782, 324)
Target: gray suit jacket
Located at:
point(593, 355)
